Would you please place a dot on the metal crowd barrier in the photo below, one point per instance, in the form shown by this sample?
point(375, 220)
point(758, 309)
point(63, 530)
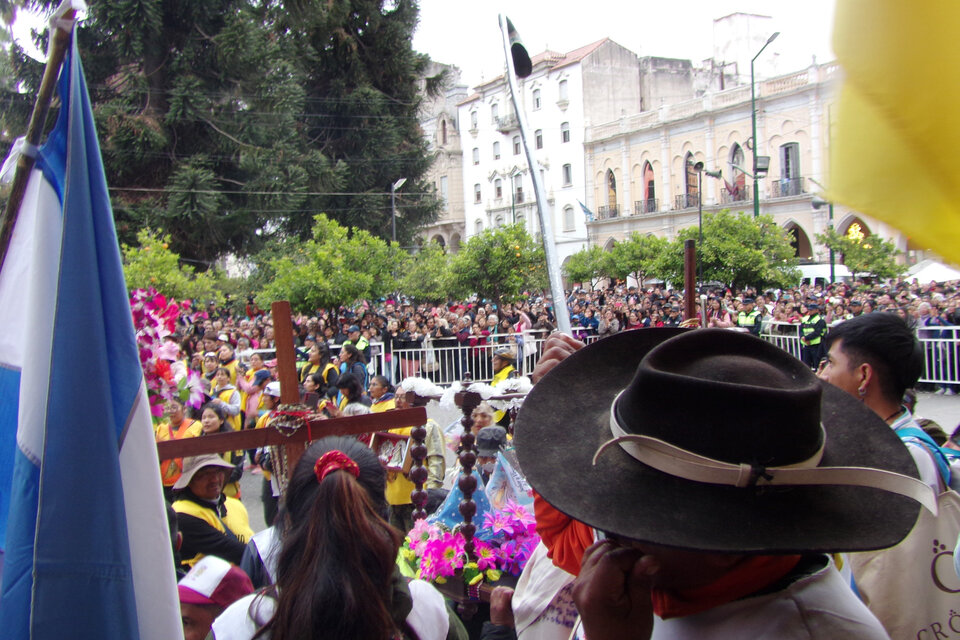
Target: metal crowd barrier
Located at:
point(941, 352)
point(446, 361)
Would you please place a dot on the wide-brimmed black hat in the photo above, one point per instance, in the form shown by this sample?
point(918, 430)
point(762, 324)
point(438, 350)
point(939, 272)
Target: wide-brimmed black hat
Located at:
point(748, 410)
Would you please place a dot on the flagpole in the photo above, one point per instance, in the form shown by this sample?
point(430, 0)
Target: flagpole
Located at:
point(543, 207)
point(27, 157)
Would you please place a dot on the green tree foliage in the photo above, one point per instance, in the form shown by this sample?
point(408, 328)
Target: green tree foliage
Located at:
point(362, 79)
point(201, 113)
point(499, 264)
point(15, 103)
point(426, 275)
point(738, 250)
point(588, 265)
point(636, 256)
point(151, 263)
point(336, 266)
point(224, 123)
point(870, 255)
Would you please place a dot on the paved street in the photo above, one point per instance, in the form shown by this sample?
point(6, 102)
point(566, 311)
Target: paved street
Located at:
point(944, 410)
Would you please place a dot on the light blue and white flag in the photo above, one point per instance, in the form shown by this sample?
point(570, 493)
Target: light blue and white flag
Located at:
point(586, 212)
point(85, 542)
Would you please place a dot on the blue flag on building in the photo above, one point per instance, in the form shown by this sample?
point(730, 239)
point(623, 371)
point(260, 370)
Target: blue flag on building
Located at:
point(85, 544)
point(586, 212)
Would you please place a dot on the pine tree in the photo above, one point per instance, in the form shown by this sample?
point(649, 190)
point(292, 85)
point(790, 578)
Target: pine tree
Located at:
point(200, 121)
point(362, 79)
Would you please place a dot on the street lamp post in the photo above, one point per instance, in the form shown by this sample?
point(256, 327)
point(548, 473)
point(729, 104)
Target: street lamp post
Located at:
point(817, 203)
point(753, 114)
point(698, 167)
point(393, 207)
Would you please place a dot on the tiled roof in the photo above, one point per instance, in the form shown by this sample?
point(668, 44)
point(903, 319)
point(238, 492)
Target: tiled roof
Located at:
point(553, 58)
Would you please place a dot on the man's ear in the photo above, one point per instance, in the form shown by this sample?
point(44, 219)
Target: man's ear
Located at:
point(865, 373)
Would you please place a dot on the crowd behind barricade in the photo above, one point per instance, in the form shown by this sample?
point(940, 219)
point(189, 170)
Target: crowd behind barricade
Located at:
point(399, 338)
point(349, 360)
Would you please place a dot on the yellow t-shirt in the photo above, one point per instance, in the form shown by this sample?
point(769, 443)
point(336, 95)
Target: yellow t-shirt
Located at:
point(398, 487)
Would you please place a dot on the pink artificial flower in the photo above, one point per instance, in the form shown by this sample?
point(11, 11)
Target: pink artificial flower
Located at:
point(428, 568)
point(422, 533)
point(497, 521)
point(486, 557)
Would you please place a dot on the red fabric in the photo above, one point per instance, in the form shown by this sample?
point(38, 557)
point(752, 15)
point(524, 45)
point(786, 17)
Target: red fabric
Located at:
point(333, 461)
point(565, 538)
point(749, 576)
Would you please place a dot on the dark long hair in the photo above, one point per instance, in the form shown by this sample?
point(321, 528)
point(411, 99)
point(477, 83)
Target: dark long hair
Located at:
point(352, 385)
point(338, 553)
point(355, 354)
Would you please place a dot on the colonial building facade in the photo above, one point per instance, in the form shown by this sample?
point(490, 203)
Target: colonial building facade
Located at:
point(641, 175)
point(565, 94)
point(440, 125)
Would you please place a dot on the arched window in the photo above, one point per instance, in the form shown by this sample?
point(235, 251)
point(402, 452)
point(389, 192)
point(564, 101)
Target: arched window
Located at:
point(518, 188)
point(691, 176)
point(476, 156)
point(567, 175)
point(473, 120)
point(563, 91)
point(496, 150)
point(738, 187)
point(536, 99)
point(494, 112)
point(498, 188)
point(565, 132)
point(478, 227)
point(498, 222)
point(649, 204)
point(568, 218)
point(476, 193)
point(516, 145)
point(443, 131)
point(690, 196)
point(538, 136)
point(611, 193)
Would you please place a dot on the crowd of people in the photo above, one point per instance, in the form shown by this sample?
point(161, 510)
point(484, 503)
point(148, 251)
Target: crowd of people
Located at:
point(398, 338)
point(211, 522)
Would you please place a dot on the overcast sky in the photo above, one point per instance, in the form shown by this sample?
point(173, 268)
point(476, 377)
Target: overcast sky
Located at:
point(466, 32)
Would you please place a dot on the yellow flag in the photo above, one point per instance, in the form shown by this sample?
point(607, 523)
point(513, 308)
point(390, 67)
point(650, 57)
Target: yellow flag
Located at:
point(894, 153)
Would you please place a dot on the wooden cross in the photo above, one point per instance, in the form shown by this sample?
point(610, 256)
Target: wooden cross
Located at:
point(313, 427)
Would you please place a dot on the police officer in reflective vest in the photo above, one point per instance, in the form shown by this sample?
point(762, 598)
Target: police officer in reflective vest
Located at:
point(749, 317)
point(813, 329)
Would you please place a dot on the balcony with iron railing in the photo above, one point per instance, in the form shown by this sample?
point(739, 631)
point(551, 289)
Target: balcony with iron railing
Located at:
point(787, 188)
point(507, 123)
point(608, 211)
point(742, 194)
point(650, 205)
point(686, 201)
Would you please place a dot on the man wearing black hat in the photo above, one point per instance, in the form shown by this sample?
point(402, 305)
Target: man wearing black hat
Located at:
point(813, 329)
point(709, 525)
point(490, 441)
point(749, 318)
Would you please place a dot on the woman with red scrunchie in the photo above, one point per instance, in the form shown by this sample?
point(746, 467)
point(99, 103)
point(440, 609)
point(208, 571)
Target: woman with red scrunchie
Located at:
point(336, 575)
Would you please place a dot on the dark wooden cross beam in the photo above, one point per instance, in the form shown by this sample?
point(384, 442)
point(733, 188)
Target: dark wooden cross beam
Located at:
point(313, 428)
